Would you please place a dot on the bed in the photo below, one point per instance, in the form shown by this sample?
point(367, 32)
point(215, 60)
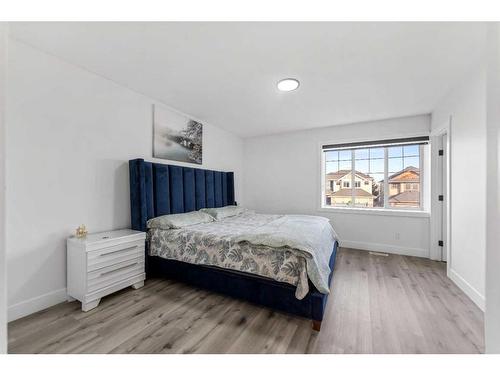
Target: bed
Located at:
point(160, 189)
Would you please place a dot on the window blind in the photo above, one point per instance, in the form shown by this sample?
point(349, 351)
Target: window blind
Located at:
point(380, 143)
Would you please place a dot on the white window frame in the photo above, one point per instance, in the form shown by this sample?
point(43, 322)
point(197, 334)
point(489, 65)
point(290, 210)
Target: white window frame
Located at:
point(387, 209)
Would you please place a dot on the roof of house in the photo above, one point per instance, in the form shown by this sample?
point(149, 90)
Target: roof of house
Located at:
point(341, 173)
point(348, 193)
point(413, 171)
point(406, 196)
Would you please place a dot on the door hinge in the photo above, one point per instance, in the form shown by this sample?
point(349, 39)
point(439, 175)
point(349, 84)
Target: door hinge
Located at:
point(440, 243)
point(440, 197)
point(441, 152)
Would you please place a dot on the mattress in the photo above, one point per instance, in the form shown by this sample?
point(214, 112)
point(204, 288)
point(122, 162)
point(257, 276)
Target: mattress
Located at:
point(215, 244)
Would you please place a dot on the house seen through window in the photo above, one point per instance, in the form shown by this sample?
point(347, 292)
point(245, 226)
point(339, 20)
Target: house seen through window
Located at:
point(385, 174)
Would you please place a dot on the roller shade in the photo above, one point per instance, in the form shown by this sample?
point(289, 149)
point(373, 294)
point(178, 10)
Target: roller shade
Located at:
point(380, 143)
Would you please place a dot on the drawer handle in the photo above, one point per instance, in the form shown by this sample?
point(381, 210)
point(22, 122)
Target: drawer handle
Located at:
point(117, 251)
point(119, 269)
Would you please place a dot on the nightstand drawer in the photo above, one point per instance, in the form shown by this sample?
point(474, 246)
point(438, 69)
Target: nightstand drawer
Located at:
point(106, 276)
point(109, 256)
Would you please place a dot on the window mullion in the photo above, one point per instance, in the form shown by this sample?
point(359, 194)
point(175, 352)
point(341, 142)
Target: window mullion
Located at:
point(352, 177)
point(386, 178)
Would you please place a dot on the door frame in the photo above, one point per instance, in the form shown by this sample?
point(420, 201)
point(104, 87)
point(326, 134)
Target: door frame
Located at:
point(436, 216)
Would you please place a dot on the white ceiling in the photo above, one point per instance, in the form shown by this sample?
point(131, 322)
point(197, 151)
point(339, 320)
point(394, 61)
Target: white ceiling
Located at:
point(226, 73)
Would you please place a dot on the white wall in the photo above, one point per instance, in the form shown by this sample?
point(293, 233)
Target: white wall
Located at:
point(492, 313)
point(3, 277)
point(466, 104)
point(70, 134)
point(282, 175)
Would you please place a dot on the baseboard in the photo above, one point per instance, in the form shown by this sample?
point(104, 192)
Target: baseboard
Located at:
point(370, 246)
point(468, 289)
point(35, 304)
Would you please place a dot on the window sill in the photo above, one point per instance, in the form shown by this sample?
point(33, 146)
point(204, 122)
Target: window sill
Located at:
point(375, 211)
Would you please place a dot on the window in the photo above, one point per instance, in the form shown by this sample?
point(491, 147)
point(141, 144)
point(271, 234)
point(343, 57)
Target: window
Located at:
point(391, 172)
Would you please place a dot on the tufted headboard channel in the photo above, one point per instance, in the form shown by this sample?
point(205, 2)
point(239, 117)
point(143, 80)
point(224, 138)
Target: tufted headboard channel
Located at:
point(161, 189)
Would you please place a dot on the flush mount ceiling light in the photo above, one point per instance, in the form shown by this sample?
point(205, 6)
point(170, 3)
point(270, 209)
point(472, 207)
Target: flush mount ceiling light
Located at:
point(288, 84)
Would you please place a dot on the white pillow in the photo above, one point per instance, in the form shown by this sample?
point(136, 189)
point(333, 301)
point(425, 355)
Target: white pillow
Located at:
point(223, 212)
point(176, 221)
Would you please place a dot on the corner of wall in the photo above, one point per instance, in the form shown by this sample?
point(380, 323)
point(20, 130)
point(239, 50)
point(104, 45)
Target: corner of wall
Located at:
point(468, 289)
point(492, 277)
point(3, 265)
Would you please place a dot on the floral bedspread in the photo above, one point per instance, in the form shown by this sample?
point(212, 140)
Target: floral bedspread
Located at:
point(215, 244)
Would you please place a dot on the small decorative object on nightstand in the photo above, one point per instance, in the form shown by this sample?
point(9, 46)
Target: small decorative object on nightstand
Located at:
point(81, 231)
point(102, 263)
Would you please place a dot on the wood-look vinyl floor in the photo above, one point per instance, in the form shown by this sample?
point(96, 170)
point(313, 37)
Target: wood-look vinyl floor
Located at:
point(393, 304)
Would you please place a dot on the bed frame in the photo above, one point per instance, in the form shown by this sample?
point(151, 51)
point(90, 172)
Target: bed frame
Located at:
point(161, 189)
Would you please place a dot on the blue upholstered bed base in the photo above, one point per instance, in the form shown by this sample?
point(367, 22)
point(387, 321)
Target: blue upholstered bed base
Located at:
point(160, 189)
point(252, 288)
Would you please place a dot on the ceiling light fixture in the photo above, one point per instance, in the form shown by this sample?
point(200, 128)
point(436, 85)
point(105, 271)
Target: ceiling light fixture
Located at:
point(288, 84)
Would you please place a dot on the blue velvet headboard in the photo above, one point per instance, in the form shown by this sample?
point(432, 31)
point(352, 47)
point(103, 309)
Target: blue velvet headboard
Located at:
point(161, 189)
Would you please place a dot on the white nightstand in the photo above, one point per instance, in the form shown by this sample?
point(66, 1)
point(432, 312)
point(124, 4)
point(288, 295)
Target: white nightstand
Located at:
point(102, 263)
